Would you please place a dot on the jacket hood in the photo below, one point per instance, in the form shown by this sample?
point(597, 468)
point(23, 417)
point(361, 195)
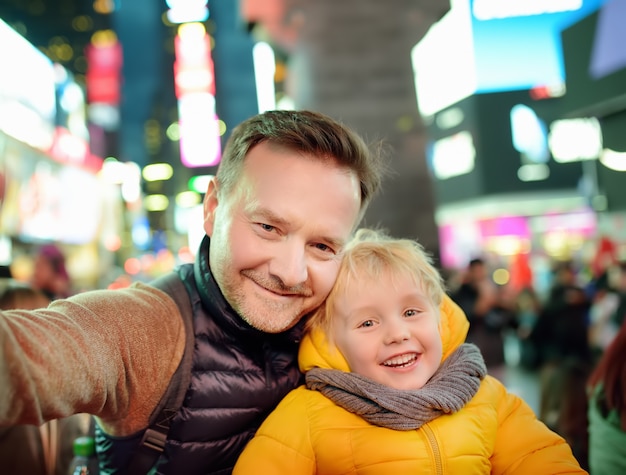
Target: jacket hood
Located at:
point(316, 352)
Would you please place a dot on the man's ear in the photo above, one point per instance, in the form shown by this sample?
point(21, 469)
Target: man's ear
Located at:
point(209, 205)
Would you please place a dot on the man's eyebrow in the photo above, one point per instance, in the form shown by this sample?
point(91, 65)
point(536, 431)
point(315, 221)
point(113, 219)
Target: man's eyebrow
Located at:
point(274, 219)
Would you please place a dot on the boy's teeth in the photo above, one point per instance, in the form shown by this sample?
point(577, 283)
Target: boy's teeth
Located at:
point(401, 360)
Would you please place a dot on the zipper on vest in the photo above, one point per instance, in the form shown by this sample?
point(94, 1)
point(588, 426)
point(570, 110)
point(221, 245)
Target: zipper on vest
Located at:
point(434, 446)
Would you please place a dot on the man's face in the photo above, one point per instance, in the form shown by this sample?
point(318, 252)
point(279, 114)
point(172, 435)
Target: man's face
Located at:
point(43, 273)
point(276, 238)
point(477, 273)
point(388, 330)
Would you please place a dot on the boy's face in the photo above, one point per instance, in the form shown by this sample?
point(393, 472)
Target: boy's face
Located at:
point(277, 236)
point(388, 330)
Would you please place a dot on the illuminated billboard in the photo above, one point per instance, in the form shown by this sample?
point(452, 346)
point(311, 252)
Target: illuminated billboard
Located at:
point(42, 198)
point(194, 77)
point(595, 61)
point(27, 90)
point(500, 144)
point(483, 46)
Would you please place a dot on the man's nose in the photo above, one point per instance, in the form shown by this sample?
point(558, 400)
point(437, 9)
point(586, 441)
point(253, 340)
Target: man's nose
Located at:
point(290, 265)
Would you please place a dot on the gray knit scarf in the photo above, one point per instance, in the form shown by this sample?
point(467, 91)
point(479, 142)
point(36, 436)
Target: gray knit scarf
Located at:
point(448, 390)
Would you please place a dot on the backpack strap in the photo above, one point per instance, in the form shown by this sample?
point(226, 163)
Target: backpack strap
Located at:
point(153, 441)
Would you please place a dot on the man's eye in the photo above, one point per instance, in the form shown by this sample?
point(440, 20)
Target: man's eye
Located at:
point(323, 247)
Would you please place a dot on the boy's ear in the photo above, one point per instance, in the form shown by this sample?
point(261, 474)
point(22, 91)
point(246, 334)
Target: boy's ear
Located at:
point(209, 205)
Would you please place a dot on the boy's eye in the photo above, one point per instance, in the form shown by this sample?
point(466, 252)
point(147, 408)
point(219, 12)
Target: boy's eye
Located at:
point(367, 323)
point(410, 313)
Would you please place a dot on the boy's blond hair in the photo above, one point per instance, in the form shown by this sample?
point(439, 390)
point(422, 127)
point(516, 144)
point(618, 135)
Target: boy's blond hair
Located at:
point(373, 254)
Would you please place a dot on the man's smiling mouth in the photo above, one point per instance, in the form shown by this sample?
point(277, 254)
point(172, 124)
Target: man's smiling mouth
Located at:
point(279, 291)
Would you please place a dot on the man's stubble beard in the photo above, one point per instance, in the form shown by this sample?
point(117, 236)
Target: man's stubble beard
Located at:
point(263, 318)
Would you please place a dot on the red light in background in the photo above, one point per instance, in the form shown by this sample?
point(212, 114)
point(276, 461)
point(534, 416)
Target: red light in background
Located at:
point(104, 66)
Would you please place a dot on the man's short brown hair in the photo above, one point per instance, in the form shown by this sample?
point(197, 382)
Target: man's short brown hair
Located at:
point(310, 133)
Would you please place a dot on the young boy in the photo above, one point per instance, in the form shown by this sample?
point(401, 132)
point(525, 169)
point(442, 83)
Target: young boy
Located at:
point(392, 388)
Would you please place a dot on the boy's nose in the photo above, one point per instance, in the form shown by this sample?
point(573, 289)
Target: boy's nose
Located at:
point(397, 331)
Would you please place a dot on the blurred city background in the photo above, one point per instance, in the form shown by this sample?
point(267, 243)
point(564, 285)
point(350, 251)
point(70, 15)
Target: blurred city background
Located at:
point(505, 123)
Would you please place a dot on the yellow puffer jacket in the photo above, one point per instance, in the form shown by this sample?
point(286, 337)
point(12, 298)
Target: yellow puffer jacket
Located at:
point(496, 432)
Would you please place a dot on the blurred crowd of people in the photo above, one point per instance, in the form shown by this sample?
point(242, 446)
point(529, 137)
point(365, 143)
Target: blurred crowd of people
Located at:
point(567, 336)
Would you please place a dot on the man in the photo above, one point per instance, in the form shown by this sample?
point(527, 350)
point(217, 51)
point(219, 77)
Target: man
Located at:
point(50, 273)
point(291, 188)
point(478, 298)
